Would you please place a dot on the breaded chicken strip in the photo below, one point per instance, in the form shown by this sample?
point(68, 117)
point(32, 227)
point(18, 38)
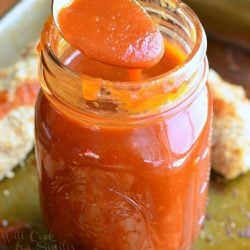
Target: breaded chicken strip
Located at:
point(18, 90)
point(231, 128)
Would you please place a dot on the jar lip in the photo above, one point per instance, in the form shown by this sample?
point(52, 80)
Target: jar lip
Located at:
point(189, 65)
point(93, 119)
point(137, 100)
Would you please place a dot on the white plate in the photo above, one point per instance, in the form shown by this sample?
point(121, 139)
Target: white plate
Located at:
point(21, 25)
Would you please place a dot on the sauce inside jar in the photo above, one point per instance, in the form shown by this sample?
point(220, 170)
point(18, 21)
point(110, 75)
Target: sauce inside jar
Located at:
point(143, 187)
point(80, 63)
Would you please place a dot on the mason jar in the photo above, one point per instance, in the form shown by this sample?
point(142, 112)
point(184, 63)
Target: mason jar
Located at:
point(124, 165)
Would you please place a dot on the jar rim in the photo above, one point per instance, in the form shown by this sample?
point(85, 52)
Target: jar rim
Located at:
point(187, 72)
point(190, 63)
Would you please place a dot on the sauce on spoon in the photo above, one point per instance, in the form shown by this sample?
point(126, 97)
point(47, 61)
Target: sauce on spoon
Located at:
point(118, 33)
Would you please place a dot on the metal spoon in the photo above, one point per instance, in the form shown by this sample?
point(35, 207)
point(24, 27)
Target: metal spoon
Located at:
point(57, 6)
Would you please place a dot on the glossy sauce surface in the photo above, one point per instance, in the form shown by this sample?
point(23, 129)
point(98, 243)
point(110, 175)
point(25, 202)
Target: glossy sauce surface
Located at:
point(124, 188)
point(115, 32)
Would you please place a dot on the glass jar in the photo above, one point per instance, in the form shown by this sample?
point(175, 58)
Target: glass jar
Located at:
point(123, 165)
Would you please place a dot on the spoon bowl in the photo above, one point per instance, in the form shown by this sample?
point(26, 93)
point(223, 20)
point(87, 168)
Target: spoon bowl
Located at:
point(57, 6)
point(103, 30)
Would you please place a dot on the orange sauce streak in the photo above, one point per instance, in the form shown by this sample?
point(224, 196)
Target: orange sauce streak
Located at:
point(23, 95)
